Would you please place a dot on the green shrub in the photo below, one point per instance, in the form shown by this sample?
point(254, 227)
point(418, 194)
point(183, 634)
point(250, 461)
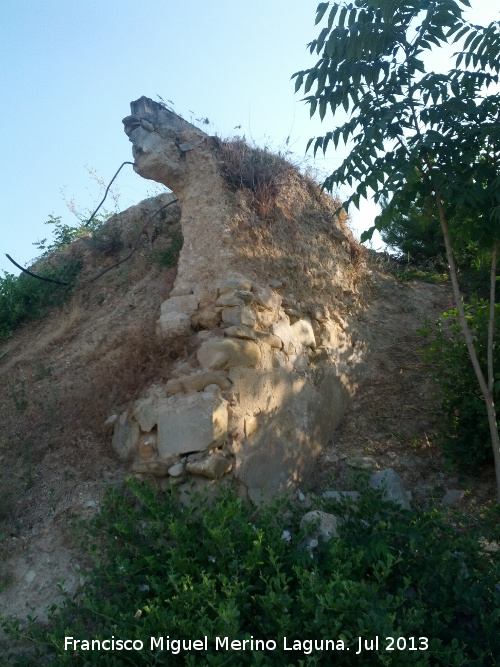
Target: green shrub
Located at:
point(224, 569)
point(465, 434)
point(170, 255)
point(24, 298)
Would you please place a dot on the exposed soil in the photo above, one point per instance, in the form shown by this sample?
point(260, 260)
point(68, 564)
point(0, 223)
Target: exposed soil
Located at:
point(391, 419)
point(67, 368)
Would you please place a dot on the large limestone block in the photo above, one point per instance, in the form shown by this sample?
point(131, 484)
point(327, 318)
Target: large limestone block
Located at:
point(187, 304)
point(267, 298)
point(212, 467)
point(320, 524)
point(236, 316)
point(126, 437)
point(219, 353)
point(173, 324)
point(291, 344)
point(191, 423)
point(145, 413)
point(302, 330)
point(391, 484)
point(267, 392)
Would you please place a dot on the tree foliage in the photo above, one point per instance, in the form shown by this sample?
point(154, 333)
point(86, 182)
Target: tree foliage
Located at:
point(414, 135)
point(411, 131)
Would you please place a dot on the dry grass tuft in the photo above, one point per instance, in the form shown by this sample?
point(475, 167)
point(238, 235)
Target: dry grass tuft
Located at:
point(258, 172)
point(136, 358)
point(358, 254)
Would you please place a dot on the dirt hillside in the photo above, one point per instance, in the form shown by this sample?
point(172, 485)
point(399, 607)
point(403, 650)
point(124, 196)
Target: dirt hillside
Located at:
point(64, 376)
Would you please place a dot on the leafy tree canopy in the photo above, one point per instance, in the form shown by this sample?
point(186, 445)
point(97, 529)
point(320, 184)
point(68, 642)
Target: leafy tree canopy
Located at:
point(412, 131)
point(417, 135)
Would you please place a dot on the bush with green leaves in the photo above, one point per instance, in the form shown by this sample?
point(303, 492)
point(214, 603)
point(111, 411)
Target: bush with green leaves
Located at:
point(225, 569)
point(416, 135)
point(465, 434)
point(169, 256)
point(24, 298)
point(64, 234)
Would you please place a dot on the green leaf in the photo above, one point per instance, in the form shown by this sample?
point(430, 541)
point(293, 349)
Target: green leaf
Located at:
point(342, 15)
point(310, 80)
point(367, 235)
point(299, 81)
point(320, 11)
point(331, 16)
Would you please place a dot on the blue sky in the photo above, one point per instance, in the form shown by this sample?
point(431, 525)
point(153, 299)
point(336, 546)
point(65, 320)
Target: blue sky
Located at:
point(70, 69)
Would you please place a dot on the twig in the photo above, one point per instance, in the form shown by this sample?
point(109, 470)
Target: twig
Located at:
point(106, 193)
point(136, 245)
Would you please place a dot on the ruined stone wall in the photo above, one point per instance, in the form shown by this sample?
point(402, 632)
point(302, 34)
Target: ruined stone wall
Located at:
point(271, 302)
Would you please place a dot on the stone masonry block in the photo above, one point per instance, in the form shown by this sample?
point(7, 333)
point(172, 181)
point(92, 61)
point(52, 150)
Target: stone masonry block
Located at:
point(227, 353)
point(126, 437)
point(191, 423)
point(187, 304)
point(172, 324)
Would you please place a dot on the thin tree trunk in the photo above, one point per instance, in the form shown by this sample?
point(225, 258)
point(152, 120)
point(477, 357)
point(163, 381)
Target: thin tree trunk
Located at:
point(486, 388)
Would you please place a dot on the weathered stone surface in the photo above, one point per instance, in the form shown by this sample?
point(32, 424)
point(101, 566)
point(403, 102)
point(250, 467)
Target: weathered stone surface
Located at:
point(244, 295)
point(269, 339)
point(237, 316)
point(298, 402)
point(191, 423)
point(303, 332)
point(236, 283)
point(177, 470)
point(332, 336)
point(145, 413)
point(283, 330)
point(197, 382)
point(267, 298)
point(266, 318)
point(318, 312)
point(296, 419)
point(173, 324)
point(187, 304)
point(320, 524)
point(181, 290)
point(391, 483)
point(251, 426)
point(195, 457)
point(247, 317)
point(218, 353)
point(207, 318)
point(126, 437)
point(213, 466)
point(229, 300)
point(241, 332)
point(293, 313)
